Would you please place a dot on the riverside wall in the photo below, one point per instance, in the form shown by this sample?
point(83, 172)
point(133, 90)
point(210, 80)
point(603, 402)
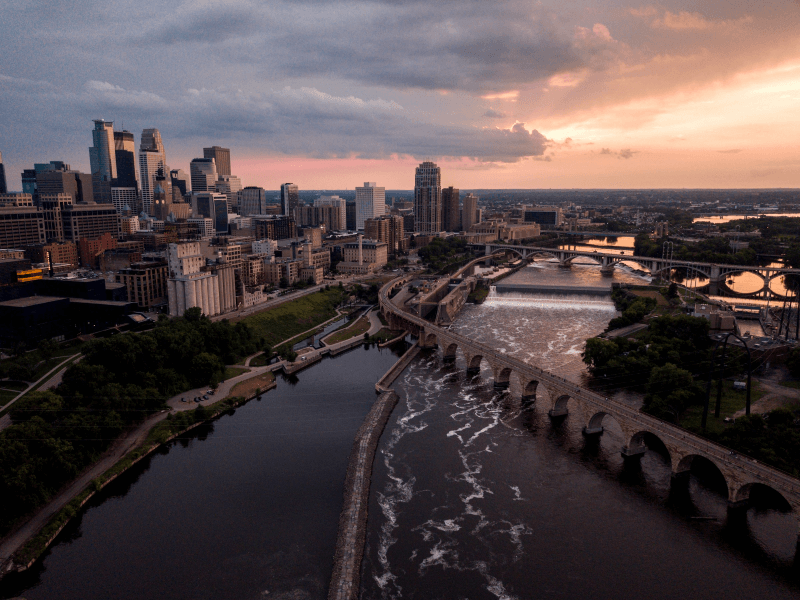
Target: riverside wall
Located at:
point(346, 577)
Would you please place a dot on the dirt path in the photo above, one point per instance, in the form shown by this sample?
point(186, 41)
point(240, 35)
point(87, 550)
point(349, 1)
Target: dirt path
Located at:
point(776, 397)
point(121, 447)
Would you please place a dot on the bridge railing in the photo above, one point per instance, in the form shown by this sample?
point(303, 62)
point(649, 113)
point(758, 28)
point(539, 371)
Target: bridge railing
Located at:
point(721, 453)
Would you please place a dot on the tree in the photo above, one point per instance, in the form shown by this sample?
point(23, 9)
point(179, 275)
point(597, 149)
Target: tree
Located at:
point(194, 314)
point(283, 283)
point(670, 391)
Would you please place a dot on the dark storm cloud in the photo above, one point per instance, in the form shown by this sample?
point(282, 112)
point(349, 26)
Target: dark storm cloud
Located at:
point(474, 46)
point(305, 121)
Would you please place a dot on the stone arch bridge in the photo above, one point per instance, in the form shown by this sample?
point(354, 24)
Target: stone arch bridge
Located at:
point(715, 273)
point(741, 473)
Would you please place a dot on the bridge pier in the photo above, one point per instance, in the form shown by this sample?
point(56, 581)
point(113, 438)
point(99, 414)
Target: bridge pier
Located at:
point(590, 431)
point(500, 385)
point(557, 412)
point(633, 451)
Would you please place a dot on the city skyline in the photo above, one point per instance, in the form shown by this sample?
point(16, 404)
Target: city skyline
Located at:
point(512, 95)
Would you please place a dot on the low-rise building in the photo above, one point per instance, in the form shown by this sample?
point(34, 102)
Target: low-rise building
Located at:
point(363, 256)
point(146, 284)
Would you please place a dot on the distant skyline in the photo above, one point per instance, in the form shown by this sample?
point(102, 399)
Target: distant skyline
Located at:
point(507, 94)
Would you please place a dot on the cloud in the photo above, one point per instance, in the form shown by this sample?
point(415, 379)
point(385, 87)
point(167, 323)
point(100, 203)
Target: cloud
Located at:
point(685, 20)
point(308, 122)
point(625, 153)
point(494, 114)
point(732, 151)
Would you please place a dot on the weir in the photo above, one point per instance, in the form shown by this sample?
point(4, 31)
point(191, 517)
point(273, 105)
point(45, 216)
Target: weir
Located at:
point(552, 289)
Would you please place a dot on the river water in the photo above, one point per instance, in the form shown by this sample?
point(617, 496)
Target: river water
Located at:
point(246, 507)
point(477, 496)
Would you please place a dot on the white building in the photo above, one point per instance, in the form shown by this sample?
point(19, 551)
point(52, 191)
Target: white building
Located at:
point(265, 247)
point(188, 286)
point(370, 203)
point(205, 225)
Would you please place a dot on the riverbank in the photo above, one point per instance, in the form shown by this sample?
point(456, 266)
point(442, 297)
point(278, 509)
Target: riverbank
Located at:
point(22, 548)
point(346, 575)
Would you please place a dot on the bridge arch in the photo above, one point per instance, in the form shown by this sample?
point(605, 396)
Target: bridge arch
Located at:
point(473, 363)
point(595, 423)
point(529, 387)
point(715, 477)
point(645, 439)
point(594, 260)
point(560, 405)
point(449, 350)
point(765, 494)
point(502, 377)
point(430, 340)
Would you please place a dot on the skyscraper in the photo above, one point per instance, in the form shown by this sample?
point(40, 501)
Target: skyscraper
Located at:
point(252, 201)
point(152, 158)
point(370, 203)
point(3, 185)
point(428, 198)
point(222, 158)
point(125, 152)
point(451, 217)
point(204, 175)
point(290, 199)
point(230, 185)
point(339, 203)
point(469, 216)
point(102, 154)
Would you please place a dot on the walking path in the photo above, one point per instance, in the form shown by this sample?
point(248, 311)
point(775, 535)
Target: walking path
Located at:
point(121, 447)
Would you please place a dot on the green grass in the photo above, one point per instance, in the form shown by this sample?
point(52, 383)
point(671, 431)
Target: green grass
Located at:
point(231, 372)
point(6, 397)
point(294, 317)
point(791, 384)
point(732, 401)
point(13, 385)
point(359, 328)
point(384, 335)
point(260, 361)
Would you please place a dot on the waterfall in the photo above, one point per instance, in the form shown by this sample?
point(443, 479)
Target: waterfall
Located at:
point(549, 301)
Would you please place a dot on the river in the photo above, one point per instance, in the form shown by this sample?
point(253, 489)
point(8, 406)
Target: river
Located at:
point(245, 505)
point(477, 496)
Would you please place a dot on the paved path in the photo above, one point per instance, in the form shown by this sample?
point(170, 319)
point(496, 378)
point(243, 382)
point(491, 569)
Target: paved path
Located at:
point(121, 447)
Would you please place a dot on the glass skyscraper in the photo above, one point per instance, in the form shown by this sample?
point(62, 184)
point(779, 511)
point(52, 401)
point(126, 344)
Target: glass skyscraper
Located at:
point(428, 198)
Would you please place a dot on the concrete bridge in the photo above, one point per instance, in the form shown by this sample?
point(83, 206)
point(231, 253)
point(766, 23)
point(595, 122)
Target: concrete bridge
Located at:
point(715, 273)
point(742, 474)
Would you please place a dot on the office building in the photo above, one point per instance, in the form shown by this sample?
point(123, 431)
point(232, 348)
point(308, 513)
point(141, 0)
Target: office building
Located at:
point(55, 253)
point(3, 184)
point(122, 197)
point(387, 229)
point(351, 216)
point(290, 199)
point(203, 226)
point(77, 185)
point(222, 159)
point(230, 185)
point(16, 199)
point(340, 204)
point(252, 201)
point(469, 214)
point(203, 172)
point(548, 216)
point(274, 227)
point(152, 161)
point(102, 155)
point(125, 153)
point(181, 182)
point(428, 198)
point(370, 203)
point(451, 209)
point(220, 213)
point(316, 216)
point(21, 226)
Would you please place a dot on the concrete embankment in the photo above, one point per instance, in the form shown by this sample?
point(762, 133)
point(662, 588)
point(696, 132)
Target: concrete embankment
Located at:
point(346, 578)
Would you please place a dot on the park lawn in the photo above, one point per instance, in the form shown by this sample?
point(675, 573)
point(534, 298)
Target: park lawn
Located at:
point(295, 317)
point(791, 384)
point(7, 396)
point(231, 372)
point(384, 335)
point(358, 328)
point(732, 401)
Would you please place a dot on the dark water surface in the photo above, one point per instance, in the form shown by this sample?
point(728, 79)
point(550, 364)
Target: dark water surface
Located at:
point(477, 496)
point(247, 505)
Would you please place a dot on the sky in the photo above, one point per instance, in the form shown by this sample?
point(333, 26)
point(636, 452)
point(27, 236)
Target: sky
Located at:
point(500, 94)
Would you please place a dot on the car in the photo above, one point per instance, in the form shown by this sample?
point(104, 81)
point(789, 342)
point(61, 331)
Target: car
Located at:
point(183, 399)
point(205, 397)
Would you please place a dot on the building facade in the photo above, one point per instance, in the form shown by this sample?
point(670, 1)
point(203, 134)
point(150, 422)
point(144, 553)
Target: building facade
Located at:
point(222, 159)
point(428, 198)
point(469, 214)
point(451, 209)
point(388, 229)
point(290, 199)
point(152, 160)
point(370, 203)
point(146, 284)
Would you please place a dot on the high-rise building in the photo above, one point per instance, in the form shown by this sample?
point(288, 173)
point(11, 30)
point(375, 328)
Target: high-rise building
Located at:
point(451, 211)
point(208, 205)
point(428, 198)
point(350, 216)
point(3, 185)
point(102, 154)
point(314, 216)
point(387, 229)
point(152, 159)
point(125, 153)
point(21, 226)
point(370, 203)
point(222, 158)
point(204, 175)
point(469, 214)
point(290, 199)
point(337, 202)
point(230, 185)
point(29, 176)
point(252, 201)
